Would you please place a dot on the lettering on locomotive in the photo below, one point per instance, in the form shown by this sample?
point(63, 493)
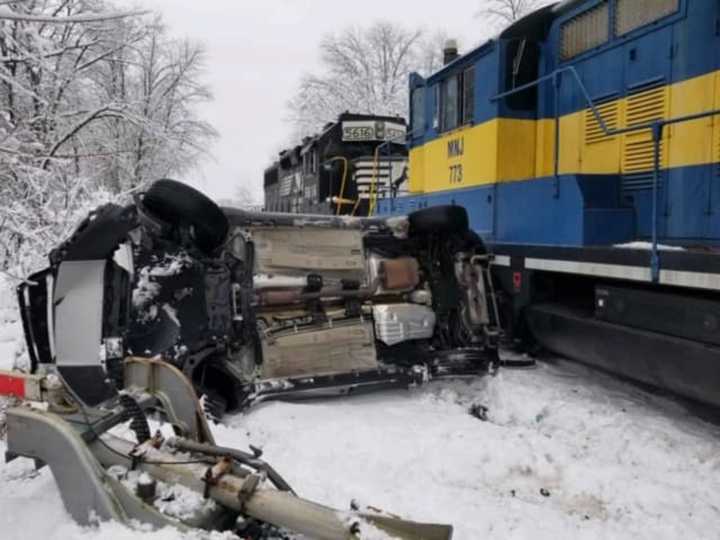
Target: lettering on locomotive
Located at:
point(456, 149)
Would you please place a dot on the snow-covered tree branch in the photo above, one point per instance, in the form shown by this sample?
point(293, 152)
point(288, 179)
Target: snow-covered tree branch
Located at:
point(501, 13)
point(365, 70)
point(90, 108)
point(10, 15)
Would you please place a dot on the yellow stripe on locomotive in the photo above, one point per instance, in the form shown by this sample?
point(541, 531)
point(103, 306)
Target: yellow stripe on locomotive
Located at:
point(510, 149)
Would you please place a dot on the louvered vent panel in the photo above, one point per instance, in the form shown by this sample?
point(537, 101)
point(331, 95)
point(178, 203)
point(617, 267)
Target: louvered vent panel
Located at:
point(716, 130)
point(638, 152)
point(633, 14)
point(585, 31)
point(646, 107)
point(717, 147)
point(610, 114)
point(286, 186)
point(640, 155)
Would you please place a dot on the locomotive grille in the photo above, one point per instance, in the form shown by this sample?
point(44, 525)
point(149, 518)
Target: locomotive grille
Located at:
point(633, 14)
point(378, 178)
point(643, 107)
point(585, 31)
point(610, 114)
point(648, 106)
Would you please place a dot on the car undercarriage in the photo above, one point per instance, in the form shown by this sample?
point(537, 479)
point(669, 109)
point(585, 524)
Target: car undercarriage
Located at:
point(255, 306)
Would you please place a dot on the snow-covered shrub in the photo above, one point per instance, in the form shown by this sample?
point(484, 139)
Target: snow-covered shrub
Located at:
point(34, 225)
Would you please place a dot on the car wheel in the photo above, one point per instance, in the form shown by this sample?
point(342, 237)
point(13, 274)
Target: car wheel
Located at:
point(439, 220)
point(179, 204)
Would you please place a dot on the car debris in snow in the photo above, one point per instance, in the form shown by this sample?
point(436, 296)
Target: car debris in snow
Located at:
point(186, 481)
point(479, 411)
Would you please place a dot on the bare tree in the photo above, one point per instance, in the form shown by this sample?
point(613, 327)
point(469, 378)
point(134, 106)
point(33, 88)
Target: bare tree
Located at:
point(93, 104)
point(244, 197)
point(505, 12)
point(365, 70)
point(428, 57)
point(10, 15)
point(164, 91)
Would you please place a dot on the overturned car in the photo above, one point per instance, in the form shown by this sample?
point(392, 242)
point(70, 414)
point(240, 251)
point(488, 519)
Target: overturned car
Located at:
point(254, 306)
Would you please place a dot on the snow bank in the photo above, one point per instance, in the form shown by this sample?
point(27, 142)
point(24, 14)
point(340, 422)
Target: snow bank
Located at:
point(565, 454)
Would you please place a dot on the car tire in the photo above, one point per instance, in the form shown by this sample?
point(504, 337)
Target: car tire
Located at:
point(441, 220)
point(179, 204)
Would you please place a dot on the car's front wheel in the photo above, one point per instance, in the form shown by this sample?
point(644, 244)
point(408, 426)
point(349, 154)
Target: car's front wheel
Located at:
point(181, 205)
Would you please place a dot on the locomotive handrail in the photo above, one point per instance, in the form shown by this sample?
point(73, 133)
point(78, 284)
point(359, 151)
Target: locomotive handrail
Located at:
point(403, 138)
point(341, 194)
point(656, 127)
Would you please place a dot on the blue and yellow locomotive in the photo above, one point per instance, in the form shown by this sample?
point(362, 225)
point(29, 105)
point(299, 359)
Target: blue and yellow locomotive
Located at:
point(585, 143)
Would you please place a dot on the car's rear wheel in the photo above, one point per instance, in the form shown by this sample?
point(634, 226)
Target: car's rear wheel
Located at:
point(179, 204)
point(439, 220)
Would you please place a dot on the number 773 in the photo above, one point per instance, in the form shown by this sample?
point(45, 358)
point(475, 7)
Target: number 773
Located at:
point(456, 174)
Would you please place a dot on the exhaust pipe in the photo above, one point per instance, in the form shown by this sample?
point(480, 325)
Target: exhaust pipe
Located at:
point(450, 51)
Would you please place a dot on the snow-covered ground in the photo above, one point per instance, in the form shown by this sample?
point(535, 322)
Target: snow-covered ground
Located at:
point(565, 453)
point(612, 461)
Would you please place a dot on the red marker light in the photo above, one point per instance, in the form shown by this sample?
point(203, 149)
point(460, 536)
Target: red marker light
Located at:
point(517, 281)
point(12, 386)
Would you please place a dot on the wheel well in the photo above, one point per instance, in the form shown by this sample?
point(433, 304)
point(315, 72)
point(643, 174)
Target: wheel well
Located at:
point(211, 376)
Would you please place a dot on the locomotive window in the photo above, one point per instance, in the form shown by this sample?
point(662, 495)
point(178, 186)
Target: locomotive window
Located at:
point(418, 112)
point(457, 100)
point(468, 102)
point(449, 103)
point(633, 14)
point(587, 30)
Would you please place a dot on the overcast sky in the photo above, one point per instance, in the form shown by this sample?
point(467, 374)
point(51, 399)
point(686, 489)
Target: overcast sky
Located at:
point(257, 53)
